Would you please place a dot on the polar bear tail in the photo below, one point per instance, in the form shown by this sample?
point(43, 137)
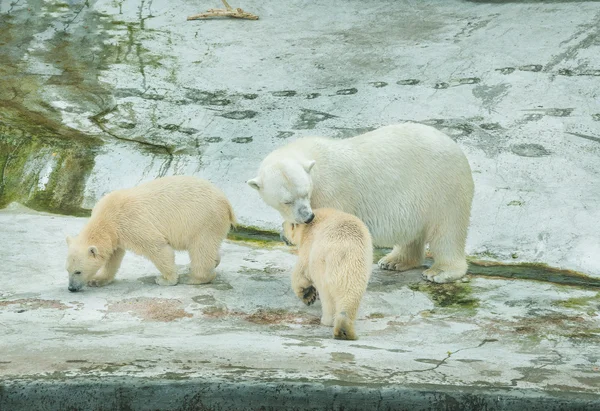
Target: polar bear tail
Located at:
point(232, 219)
point(343, 327)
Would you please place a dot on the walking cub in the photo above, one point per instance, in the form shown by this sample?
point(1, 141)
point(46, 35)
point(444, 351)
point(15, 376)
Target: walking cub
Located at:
point(153, 219)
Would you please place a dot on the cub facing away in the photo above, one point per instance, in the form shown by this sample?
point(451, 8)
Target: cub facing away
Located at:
point(335, 256)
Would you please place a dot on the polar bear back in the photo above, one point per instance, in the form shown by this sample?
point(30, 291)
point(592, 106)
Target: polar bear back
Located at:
point(398, 179)
point(177, 207)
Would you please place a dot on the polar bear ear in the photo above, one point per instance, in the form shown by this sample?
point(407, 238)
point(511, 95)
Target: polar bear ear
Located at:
point(254, 183)
point(69, 240)
point(93, 250)
point(309, 165)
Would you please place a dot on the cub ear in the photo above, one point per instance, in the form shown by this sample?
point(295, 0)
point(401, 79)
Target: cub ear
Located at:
point(93, 250)
point(309, 165)
point(254, 183)
point(69, 240)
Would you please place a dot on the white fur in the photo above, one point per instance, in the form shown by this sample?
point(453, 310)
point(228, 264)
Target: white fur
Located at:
point(335, 256)
point(409, 183)
point(152, 219)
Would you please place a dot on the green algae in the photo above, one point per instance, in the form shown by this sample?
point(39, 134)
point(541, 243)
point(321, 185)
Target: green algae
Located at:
point(255, 236)
point(44, 163)
point(533, 271)
point(578, 302)
point(452, 295)
point(45, 174)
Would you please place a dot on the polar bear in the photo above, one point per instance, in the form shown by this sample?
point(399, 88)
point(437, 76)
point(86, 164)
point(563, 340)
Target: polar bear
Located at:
point(335, 255)
point(152, 219)
point(410, 183)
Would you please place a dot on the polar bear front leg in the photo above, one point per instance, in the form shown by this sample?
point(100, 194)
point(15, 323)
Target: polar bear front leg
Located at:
point(404, 257)
point(448, 250)
point(302, 286)
point(108, 272)
point(163, 258)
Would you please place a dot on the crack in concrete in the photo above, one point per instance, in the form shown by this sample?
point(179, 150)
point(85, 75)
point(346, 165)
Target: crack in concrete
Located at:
point(86, 4)
point(148, 16)
point(97, 120)
point(570, 52)
point(527, 374)
point(443, 361)
point(138, 53)
point(12, 5)
point(587, 137)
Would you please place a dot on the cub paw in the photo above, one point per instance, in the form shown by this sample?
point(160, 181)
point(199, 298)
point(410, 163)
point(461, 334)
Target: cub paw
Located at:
point(98, 282)
point(344, 329)
point(327, 320)
point(191, 280)
point(163, 281)
point(309, 295)
point(344, 334)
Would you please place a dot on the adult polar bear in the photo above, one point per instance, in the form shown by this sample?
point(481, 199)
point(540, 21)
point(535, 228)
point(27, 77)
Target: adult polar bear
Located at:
point(410, 184)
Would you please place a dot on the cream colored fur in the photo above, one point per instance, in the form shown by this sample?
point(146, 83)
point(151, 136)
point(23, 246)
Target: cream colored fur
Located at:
point(409, 183)
point(153, 219)
point(335, 256)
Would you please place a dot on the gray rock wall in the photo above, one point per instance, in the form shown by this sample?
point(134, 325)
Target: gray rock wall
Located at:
point(100, 95)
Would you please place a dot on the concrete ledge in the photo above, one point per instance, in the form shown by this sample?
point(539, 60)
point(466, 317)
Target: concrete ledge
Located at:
point(198, 394)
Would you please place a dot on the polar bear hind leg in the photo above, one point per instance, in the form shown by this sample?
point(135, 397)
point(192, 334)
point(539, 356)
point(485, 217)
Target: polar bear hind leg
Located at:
point(404, 257)
point(204, 256)
point(328, 306)
point(346, 311)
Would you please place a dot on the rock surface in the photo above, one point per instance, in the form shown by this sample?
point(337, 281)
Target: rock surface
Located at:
point(100, 95)
point(248, 327)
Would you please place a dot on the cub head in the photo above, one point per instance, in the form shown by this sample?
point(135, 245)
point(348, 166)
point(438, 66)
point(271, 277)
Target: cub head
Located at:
point(292, 233)
point(83, 262)
point(287, 187)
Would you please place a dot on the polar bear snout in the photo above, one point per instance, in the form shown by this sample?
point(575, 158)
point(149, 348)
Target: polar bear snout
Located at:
point(303, 214)
point(74, 286)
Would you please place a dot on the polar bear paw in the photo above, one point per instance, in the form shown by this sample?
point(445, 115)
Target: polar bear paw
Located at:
point(343, 329)
point(392, 264)
point(99, 282)
point(162, 281)
point(309, 295)
point(437, 275)
point(194, 280)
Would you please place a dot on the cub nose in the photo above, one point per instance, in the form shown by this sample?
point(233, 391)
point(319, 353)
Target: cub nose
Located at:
point(309, 219)
point(284, 239)
point(72, 289)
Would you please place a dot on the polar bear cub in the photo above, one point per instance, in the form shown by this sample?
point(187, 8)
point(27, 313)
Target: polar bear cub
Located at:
point(335, 256)
point(152, 219)
point(409, 183)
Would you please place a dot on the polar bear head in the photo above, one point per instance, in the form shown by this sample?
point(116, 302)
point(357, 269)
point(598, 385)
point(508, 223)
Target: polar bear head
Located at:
point(83, 262)
point(292, 233)
point(286, 185)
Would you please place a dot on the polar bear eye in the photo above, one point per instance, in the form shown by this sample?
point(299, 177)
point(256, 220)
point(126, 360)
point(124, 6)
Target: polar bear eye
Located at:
point(77, 272)
point(288, 203)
